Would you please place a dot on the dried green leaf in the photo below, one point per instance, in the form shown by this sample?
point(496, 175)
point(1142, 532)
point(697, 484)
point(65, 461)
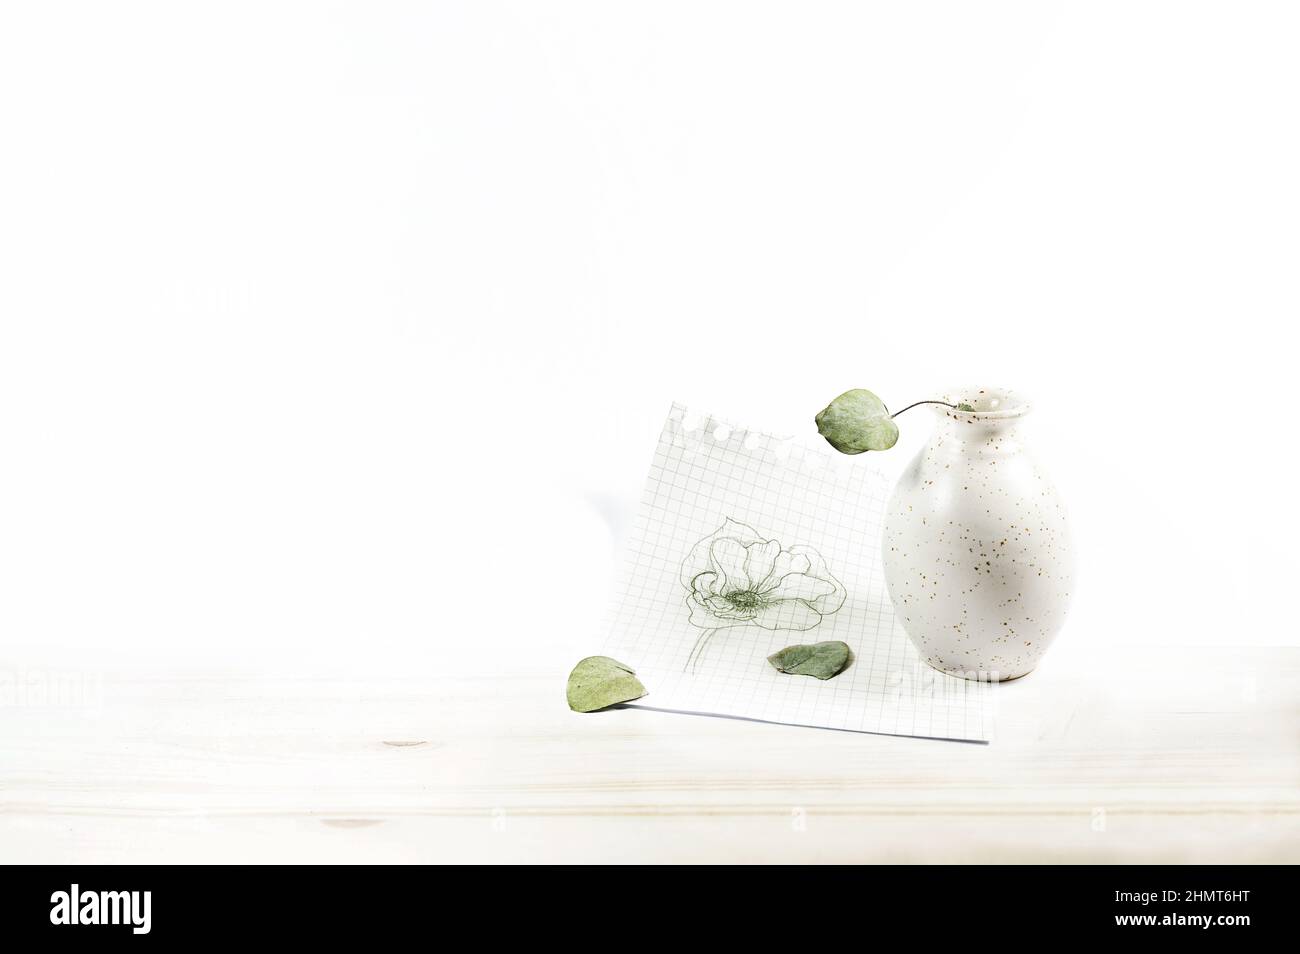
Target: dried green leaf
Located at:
point(965, 407)
point(598, 681)
point(822, 660)
point(857, 421)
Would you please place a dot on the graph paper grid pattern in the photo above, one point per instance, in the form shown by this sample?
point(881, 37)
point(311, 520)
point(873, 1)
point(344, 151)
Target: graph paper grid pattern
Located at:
point(706, 471)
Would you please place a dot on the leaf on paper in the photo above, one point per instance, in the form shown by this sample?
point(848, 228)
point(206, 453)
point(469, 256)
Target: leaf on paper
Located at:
point(822, 660)
point(857, 421)
point(598, 682)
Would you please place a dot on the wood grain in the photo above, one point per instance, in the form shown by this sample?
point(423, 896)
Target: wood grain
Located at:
point(1190, 757)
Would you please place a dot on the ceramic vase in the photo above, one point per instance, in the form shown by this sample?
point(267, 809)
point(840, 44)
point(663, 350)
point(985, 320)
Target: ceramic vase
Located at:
point(977, 553)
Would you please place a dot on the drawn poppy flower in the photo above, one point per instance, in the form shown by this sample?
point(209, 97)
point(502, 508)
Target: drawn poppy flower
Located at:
point(735, 577)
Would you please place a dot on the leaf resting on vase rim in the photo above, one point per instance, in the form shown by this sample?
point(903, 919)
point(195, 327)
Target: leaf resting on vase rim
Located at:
point(857, 421)
point(822, 660)
point(598, 682)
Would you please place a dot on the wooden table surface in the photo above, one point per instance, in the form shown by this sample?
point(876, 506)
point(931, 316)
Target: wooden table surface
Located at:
point(1186, 756)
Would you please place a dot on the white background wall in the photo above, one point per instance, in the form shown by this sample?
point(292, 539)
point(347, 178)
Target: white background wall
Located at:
point(339, 335)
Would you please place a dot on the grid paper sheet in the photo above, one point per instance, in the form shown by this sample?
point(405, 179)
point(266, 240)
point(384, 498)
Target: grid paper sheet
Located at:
point(714, 488)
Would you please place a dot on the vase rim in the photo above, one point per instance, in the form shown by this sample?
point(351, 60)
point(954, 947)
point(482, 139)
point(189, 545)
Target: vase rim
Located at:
point(991, 404)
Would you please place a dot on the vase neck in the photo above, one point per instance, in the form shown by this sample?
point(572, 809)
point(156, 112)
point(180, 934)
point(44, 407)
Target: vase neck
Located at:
point(978, 432)
point(993, 426)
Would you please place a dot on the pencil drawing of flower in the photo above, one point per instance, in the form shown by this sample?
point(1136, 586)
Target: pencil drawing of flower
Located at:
point(737, 578)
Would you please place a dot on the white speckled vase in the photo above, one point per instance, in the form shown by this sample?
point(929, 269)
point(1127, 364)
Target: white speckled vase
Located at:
point(977, 552)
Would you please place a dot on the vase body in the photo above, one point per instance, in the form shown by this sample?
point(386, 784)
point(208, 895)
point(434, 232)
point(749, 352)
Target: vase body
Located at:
point(977, 552)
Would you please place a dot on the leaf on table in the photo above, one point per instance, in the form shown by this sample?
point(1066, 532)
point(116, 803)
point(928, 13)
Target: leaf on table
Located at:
point(598, 682)
point(857, 421)
point(965, 407)
point(822, 660)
